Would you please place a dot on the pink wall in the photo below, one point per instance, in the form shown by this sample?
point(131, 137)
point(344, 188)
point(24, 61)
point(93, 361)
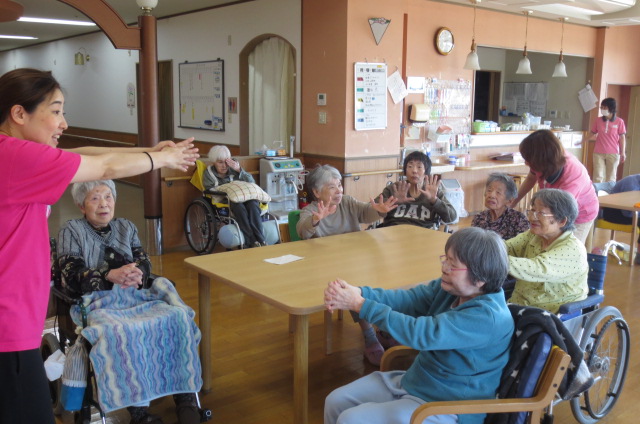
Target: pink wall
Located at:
point(324, 53)
point(333, 41)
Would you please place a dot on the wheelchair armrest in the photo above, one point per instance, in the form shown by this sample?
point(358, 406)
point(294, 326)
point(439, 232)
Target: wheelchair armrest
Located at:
point(592, 300)
point(66, 295)
point(398, 358)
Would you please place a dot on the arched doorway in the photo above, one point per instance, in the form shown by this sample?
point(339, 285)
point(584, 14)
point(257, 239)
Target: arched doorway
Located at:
point(267, 93)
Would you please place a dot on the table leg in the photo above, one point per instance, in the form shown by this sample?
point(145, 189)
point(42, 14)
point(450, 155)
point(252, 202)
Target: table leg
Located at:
point(634, 238)
point(328, 333)
point(301, 369)
point(204, 322)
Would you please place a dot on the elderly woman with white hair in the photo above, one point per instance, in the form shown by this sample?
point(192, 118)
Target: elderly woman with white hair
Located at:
point(98, 252)
point(333, 213)
point(499, 193)
point(225, 170)
point(548, 262)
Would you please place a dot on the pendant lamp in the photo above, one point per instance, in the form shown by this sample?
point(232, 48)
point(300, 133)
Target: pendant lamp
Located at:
point(524, 67)
point(560, 70)
point(472, 62)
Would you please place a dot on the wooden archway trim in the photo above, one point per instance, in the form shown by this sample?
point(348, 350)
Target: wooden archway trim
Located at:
point(119, 33)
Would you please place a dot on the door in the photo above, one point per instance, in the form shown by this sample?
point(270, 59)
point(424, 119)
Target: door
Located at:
point(632, 164)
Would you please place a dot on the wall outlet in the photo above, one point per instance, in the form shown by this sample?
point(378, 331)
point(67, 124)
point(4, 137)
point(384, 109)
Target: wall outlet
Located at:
point(322, 117)
point(322, 99)
point(553, 114)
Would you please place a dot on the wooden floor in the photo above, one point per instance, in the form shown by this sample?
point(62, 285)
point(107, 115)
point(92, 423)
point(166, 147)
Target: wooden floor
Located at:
point(252, 352)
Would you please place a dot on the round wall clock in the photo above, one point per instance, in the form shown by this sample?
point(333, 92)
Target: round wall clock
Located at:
point(444, 41)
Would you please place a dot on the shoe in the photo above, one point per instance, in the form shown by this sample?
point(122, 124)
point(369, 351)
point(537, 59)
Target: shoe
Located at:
point(143, 418)
point(188, 414)
point(257, 244)
point(386, 340)
point(264, 243)
point(374, 353)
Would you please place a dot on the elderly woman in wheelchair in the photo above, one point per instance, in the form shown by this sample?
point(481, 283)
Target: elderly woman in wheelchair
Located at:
point(548, 262)
point(101, 258)
point(459, 323)
point(225, 170)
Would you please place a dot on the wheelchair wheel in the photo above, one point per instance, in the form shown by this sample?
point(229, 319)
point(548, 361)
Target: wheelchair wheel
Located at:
point(606, 345)
point(49, 345)
point(200, 226)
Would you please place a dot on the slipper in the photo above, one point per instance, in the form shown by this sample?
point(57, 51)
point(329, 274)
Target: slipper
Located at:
point(386, 340)
point(374, 353)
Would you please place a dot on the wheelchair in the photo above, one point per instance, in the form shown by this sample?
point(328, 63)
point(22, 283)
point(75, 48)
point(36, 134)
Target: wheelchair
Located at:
point(64, 336)
point(208, 220)
point(601, 334)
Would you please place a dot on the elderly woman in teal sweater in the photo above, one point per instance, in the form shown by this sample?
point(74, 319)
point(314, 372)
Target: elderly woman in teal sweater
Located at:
point(460, 323)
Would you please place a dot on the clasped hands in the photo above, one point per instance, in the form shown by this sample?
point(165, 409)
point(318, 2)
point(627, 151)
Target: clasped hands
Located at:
point(341, 295)
point(126, 276)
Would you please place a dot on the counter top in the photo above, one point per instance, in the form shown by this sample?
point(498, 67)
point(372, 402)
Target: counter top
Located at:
point(524, 132)
point(485, 164)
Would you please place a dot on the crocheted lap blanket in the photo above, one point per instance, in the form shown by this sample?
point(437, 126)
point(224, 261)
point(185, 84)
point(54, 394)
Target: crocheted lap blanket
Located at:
point(144, 344)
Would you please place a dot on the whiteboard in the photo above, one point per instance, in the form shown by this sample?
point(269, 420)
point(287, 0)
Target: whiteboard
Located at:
point(370, 96)
point(202, 95)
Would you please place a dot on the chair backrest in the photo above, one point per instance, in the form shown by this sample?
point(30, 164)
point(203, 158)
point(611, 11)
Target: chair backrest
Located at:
point(597, 271)
point(294, 217)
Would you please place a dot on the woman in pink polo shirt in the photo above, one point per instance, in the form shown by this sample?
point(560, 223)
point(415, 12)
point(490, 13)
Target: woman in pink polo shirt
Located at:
point(34, 174)
point(551, 167)
point(610, 142)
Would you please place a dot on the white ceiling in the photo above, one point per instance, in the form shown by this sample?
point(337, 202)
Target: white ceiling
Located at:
point(585, 12)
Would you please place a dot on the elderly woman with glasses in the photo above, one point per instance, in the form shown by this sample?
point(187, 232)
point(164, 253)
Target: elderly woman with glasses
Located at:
point(499, 215)
point(460, 323)
point(548, 262)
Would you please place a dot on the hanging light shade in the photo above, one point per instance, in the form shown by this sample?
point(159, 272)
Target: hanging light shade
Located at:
point(524, 66)
point(561, 70)
point(472, 62)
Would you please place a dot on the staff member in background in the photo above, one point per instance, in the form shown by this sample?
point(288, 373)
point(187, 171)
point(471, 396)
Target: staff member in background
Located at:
point(551, 167)
point(610, 142)
point(34, 174)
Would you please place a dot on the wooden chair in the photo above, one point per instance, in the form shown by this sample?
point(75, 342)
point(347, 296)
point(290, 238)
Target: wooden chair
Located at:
point(526, 200)
point(543, 395)
point(613, 227)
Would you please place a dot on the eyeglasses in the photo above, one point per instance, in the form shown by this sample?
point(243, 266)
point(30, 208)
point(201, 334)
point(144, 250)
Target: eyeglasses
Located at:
point(538, 216)
point(446, 266)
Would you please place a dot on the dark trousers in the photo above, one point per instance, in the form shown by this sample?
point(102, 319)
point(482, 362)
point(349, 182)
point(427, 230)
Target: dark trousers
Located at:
point(248, 216)
point(24, 391)
point(616, 216)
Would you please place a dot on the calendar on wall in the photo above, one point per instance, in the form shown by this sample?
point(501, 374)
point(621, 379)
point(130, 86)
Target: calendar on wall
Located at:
point(370, 101)
point(202, 95)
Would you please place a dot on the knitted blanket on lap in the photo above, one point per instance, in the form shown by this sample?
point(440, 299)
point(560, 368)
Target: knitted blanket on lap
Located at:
point(144, 344)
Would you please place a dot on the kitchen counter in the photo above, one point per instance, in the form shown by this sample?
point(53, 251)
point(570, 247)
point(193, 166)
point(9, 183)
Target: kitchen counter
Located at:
point(488, 164)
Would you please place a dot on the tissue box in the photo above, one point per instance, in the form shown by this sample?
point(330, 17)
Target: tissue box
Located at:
point(419, 113)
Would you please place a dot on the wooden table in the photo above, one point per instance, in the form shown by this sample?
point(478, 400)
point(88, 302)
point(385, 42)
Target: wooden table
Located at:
point(392, 257)
point(625, 201)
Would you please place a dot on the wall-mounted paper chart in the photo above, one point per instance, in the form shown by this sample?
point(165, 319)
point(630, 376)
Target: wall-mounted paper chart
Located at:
point(370, 96)
point(202, 95)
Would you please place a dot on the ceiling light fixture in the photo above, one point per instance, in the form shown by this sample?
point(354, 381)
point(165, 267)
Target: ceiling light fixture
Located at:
point(147, 5)
point(560, 69)
point(472, 63)
point(524, 67)
point(19, 37)
point(55, 21)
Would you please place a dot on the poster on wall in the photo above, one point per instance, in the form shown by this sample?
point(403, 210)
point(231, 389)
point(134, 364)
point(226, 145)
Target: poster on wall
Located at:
point(202, 95)
point(526, 97)
point(370, 102)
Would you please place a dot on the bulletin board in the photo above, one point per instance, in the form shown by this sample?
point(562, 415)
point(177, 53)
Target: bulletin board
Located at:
point(526, 97)
point(202, 95)
point(370, 96)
